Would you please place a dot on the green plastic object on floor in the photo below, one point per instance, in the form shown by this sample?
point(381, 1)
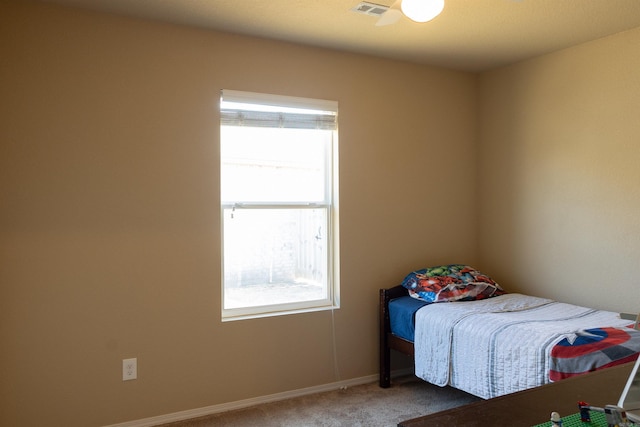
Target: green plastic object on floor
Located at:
point(598, 419)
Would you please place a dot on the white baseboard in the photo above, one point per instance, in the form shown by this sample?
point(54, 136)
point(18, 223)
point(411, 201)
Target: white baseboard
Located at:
point(215, 409)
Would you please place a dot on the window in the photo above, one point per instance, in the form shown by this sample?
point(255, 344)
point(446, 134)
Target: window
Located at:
point(278, 163)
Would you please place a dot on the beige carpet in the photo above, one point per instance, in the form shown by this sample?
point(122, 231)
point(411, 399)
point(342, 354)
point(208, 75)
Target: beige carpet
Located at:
point(364, 405)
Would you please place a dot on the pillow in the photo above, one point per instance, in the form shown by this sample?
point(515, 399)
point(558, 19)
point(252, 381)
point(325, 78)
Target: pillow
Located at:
point(454, 282)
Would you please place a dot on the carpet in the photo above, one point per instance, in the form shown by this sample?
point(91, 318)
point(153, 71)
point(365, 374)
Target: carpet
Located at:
point(363, 405)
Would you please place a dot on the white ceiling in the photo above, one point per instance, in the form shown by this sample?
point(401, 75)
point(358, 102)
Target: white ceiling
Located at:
point(472, 35)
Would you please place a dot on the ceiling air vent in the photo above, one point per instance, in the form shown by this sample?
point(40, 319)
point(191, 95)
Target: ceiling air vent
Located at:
point(371, 9)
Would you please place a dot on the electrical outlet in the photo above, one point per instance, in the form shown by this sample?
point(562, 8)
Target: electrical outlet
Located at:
point(129, 369)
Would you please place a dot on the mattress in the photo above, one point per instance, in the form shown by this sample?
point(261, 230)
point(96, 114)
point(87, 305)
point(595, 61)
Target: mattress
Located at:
point(402, 316)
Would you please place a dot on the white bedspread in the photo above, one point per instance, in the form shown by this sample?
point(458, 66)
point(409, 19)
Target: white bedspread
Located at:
point(499, 345)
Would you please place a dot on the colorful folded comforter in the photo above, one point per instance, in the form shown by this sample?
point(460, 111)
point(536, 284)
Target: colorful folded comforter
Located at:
point(593, 349)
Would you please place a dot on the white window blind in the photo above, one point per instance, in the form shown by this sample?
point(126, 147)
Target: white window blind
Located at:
point(259, 110)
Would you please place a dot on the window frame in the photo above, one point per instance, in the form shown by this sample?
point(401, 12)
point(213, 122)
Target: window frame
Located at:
point(329, 204)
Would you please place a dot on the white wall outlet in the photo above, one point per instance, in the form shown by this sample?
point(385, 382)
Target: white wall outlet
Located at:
point(129, 369)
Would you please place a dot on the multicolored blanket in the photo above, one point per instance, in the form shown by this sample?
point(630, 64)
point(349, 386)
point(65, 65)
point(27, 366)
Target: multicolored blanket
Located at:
point(593, 349)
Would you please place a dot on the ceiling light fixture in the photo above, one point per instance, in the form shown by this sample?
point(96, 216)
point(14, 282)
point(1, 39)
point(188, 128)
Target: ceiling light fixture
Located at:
point(422, 10)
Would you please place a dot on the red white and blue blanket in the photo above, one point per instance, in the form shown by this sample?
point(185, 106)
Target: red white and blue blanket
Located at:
point(593, 349)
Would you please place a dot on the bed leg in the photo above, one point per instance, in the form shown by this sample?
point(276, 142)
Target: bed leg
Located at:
point(385, 368)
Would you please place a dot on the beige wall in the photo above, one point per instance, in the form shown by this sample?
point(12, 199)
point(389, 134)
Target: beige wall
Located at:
point(109, 226)
point(560, 174)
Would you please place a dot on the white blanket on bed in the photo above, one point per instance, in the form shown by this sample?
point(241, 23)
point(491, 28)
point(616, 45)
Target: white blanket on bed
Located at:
point(499, 345)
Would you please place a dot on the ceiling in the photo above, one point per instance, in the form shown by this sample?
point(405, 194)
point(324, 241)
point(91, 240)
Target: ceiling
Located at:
point(470, 35)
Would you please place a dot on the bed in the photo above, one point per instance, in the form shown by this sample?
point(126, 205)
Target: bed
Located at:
point(463, 330)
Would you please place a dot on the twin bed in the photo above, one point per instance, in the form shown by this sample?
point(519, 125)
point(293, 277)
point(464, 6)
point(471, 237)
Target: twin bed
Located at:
point(465, 331)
